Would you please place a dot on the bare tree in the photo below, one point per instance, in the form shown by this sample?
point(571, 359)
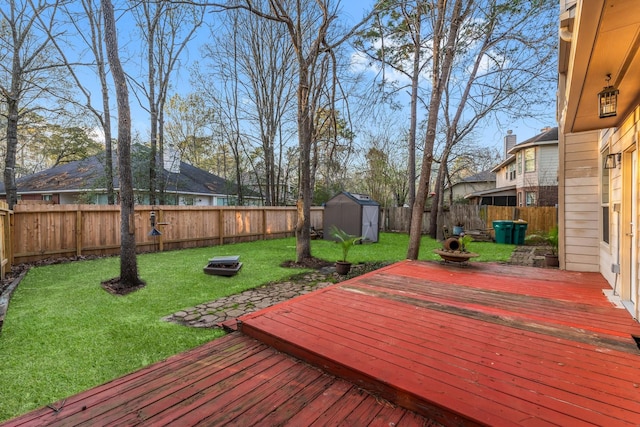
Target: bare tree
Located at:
point(226, 100)
point(167, 29)
point(446, 20)
point(189, 129)
point(396, 40)
point(254, 57)
point(383, 175)
point(309, 26)
point(501, 65)
point(91, 34)
point(29, 71)
point(128, 279)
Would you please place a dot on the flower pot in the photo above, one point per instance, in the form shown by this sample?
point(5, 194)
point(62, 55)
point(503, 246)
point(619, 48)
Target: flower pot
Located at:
point(343, 268)
point(551, 260)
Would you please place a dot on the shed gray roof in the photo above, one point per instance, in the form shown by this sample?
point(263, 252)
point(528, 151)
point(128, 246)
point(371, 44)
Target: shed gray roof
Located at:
point(361, 199)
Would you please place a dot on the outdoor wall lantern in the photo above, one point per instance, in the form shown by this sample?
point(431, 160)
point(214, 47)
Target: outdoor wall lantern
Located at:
point(608, 100)
point(612, 160)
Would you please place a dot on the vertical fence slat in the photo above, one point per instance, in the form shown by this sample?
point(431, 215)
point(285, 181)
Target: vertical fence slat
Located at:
point(33, 232)
point(78, 232)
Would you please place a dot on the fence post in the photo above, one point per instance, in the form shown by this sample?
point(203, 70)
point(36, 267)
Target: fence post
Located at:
point(8, 244)
point(78, 232)
point(264, 223)
point(160, 237)
point(221, 225)
point(6, 261)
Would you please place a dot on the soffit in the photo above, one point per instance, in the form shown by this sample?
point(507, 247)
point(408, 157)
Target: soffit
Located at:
point(606, 40)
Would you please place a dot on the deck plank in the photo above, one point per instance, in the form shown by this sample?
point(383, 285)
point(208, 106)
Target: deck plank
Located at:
point(234, 380)
point(414, 343)
point(492, 350)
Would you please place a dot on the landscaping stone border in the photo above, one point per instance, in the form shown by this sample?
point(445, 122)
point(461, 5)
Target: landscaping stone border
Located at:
point(6, 296)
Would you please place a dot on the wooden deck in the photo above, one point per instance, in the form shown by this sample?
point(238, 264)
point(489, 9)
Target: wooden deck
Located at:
point(234, 380)
point(485, 344)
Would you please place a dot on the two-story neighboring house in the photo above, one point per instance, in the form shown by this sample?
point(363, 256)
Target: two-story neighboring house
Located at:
point(529, 174)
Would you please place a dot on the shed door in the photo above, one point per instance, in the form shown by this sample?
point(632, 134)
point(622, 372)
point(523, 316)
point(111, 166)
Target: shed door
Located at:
point(370, 223)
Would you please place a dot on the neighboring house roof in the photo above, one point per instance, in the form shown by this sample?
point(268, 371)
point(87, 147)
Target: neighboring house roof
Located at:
point(502, 191)
point(484, 176)
point(88, 174)
point(548, 137)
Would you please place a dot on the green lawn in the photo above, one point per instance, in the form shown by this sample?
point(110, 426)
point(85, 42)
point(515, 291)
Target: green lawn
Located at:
point(63, 333)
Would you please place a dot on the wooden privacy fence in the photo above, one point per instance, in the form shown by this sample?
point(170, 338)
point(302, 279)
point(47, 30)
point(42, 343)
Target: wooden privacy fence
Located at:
point(474, 217)
point(55, 231)
point(5, 238)
point(38, 231)
point(540, 219)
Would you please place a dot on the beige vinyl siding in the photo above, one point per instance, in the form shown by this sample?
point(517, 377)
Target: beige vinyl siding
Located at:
point(580, 209)
point(548, 165)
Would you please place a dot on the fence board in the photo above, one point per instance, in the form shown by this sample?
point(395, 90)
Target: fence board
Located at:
point(5, 239)
point(54, 231)
point(43, 231)
point(540, 219)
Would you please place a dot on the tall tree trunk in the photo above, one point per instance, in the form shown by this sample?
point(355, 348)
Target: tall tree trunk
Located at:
point(10, 156)
point(437, 202)
point(440, 76)
point(305, 133)
point(108, 146)
point(162, 181)
point(413, 125)
point(128, 261)
point(153, 113)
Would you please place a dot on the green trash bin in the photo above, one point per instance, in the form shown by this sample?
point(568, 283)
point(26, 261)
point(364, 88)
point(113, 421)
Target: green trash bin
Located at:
point(504, 231)
point(519, 231)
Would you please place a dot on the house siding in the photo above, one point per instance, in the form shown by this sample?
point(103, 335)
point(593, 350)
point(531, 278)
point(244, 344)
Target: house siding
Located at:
point(548, 164)
point(502, 177)
point(623, 226)
point(579, 202)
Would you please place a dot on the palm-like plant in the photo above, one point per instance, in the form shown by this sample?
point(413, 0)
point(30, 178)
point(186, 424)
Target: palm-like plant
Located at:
point(345, 239)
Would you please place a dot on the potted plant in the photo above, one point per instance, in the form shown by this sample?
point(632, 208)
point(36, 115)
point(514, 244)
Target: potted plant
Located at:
point(551, 259)
point(456, 249)
point(346, 241)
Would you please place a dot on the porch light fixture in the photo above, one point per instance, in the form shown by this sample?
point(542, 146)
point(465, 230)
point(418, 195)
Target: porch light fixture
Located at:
point(608, 100)
point(612, 160)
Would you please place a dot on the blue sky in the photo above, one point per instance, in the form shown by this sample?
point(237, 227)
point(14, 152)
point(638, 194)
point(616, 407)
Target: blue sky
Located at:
point(491, 135)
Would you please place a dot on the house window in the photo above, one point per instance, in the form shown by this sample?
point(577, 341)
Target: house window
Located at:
point(512, 172)
point(519, 162)
point(604, 198)
point(47, 197)
point(605, 224)
point(519, 198)
point(531, 198)
point(101, 199)
point(530, 159)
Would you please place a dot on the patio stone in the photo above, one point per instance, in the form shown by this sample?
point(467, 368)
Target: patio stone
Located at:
point(211, 314)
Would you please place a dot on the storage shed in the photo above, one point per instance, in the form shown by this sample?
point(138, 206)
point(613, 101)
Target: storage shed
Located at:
point(356, 214)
